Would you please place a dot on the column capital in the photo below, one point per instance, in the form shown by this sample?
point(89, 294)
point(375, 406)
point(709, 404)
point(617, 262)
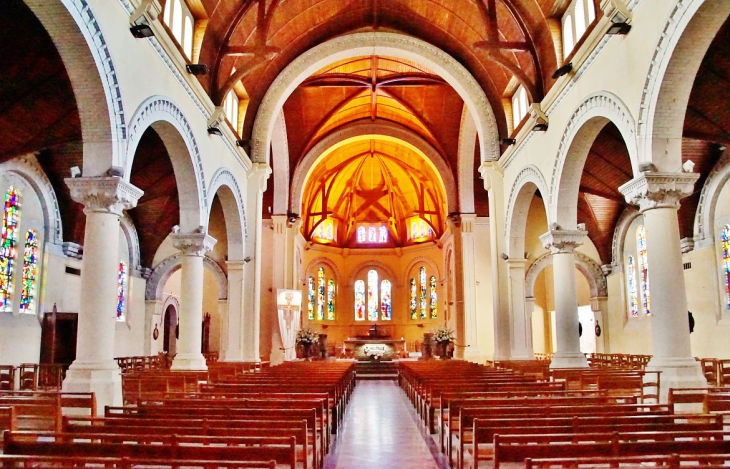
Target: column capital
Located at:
point(658, 190)
point(236, 265)
point(193, 244)
point(490, 170)
point(559, 241)
point(258, 175)
point(463, 221)
point(516, 263)
point(104, 194)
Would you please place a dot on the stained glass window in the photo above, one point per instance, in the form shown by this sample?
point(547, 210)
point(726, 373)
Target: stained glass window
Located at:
point(386, 308)
point(30, 272)
point(310, 296)
point(121, 290)
point(359, 300)
point(424, 302)
point(372, 295)
point(8, 246)
point(331, 300)
point(329, 232)
point(360, 234)
point(414, 303)
point(725, 240)
point(382, 234)
point(320, 293)
point(633, 297)
point(372, 236)
point(424, 232)
point(434, 297)
point(414, 230)
point(643, 269)
point(324, 230)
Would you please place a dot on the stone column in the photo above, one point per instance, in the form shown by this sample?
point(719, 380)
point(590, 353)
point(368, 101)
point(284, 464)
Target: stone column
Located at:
point(561, 244)
point(232, 325)
point(599, 305)
point(251, 326)
point(494, 183)
point(520, 317)
point(465, 280)
point(658, 195)
point(94, 370)
point(193, 247)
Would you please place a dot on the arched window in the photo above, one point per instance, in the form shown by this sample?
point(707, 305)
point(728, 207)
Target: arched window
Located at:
point(424, 303)
point(643, 269)
point(121, 290)
point(383, 234)
point(230, 107)
point(11, 216)
point(434, 297)
point(568, 36)
point(30, 272)
point(360, 234)
point(359, 300)
point(386, 308)
point(519, 105)
point(725, 243)
point(187, 42)
point(591, 9)
point(580, 19)
point(329, 232)
point(372, 295)
point(631, 280)
point(310, 297)
point(372, 236)
point(331, 300)
point(320, 293)
point(414, 302)
point(177, 21)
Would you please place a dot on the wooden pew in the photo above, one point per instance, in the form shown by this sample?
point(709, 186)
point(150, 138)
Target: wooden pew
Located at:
point(74, 462)
point(671, 461)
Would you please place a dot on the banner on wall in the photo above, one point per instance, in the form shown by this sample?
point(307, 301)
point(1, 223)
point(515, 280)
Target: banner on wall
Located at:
point(289, 306)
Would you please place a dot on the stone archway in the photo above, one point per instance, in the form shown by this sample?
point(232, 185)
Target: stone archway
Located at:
point(528, 181)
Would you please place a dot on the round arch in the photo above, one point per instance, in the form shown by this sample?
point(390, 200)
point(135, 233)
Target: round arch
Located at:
point(587, 266)
point(426, 260)
point(77, 35)
point(619, 235)
point(358, 271)
point(317, 262)
point(685, 38)
point(528, 181)
point(225, 186)
point(704, 226)
point(164, 270)
point(587, 121)
point(367, 44)
point(173, 128)
point(130, 234)
point(372, 130)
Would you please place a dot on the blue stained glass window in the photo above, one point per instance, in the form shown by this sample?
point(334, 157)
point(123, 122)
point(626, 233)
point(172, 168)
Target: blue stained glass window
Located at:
point(643, 269)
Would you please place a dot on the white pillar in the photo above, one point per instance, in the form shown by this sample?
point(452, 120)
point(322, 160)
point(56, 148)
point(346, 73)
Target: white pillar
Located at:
point(152, 315)
point(193, 247)
point(658, 195)
point(465, 280)
point(232, 323)
point(598, 306)
point(494, 183)
point(561, 244)
point(521, 332)
point(94, 369)
point(252, 272)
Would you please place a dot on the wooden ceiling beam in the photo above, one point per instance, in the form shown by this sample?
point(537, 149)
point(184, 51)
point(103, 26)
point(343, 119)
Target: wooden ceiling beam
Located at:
point(268, 52)
point(509, 46)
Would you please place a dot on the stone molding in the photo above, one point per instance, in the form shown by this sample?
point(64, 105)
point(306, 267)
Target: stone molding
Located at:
point(259, 175)
point(320, 261)
point(130, 233)
point(704, 226)
point(559, 241)
point(104, 194)
point(528, 174)
point(658, 190)
point(163, 271)
point(619, 234)
point(224, 177)
point(193, 244)
point(590, 269)
point(465, 163)
point(425, 260)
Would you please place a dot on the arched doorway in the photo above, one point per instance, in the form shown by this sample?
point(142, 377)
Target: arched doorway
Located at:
point(169, 341)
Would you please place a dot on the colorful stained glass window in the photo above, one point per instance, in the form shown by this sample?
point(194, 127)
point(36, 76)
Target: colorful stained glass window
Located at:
point(633, 296)
point(643, 269)
point(331, 300)
point(329, 231)
point(434, 297)
point(325, 230)
point(320, 293)
point(121, 290)
point(8, 246)
point(386, 307)
point(414, 302)
point(414, 230)
point(372, 235)
point(310, 297)
point(372, 295)
point(360, 234)
point(383, 234)
point(424, 302)
point(30, 272)
point(424, 232)
point(725, 242)
point(359, 300)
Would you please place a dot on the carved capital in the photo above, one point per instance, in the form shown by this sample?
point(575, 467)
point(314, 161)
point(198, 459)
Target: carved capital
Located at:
point(490, 170)
point(658, 190)
point(258, 175)
point(104, 194)
point(562, 241)
point(467, 222)
point(193, 244)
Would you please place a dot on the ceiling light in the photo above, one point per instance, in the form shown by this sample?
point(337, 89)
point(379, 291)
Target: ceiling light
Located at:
point(509, 141)
point(214, 131)
point(141, 31)
point(564, 70)
point(197, 69)
point(618, 28)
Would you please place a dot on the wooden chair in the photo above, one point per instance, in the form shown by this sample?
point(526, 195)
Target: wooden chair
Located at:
point(7, 378)
point(28, 377)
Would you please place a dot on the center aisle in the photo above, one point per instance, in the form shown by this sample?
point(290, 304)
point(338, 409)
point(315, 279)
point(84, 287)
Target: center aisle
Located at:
point(381, 430)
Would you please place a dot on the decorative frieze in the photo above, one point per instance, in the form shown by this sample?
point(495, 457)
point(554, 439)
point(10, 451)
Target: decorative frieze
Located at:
point(104, 194)
point(559, 241)
point(658, 190)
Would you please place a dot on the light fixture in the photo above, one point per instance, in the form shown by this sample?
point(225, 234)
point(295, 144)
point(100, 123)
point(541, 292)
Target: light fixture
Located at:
point(509, 141)
point(141, 31)
point(214, 131)
point(618, 14)
point(197, 69)
point(619, 28)
point(564, 70)
point(140, 20)
point(540, 127)
point(243, 143)
point(504, 256)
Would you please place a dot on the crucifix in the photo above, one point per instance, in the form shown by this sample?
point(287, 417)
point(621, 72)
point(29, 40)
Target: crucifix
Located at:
point(288, 310)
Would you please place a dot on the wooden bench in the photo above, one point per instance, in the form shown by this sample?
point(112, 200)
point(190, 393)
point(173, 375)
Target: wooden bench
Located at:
point(74, 462)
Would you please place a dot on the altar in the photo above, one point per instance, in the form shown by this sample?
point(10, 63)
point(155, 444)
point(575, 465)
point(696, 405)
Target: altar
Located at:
point(375, 349)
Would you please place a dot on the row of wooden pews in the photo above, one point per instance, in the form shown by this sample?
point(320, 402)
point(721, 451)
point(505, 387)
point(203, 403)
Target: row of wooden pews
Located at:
point(488, 416)
point(285, 414)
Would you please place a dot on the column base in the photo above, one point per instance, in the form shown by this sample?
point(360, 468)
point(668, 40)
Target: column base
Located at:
point(676, 373)
point(189, 362)
point(104, 379)
point(569, 360)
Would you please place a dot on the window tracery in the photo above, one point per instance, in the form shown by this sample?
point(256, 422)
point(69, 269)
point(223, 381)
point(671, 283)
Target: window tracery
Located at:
point(310, 298)
point(11, 216)
point(424, 304)
point(386, 308)
point(372, 295)
point(379, 298)
point(30, 272)
point(359, 300)
point(320, 293)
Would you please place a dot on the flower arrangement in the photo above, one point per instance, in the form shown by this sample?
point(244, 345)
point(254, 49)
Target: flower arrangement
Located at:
point(307, 336)
point(443, 335)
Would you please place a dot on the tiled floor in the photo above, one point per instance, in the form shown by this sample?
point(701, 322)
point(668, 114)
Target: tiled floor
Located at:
point(382, 431)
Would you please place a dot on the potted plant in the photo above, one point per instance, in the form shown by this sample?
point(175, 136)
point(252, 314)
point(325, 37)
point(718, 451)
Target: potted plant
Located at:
point(306, 338)
point(443, 338)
